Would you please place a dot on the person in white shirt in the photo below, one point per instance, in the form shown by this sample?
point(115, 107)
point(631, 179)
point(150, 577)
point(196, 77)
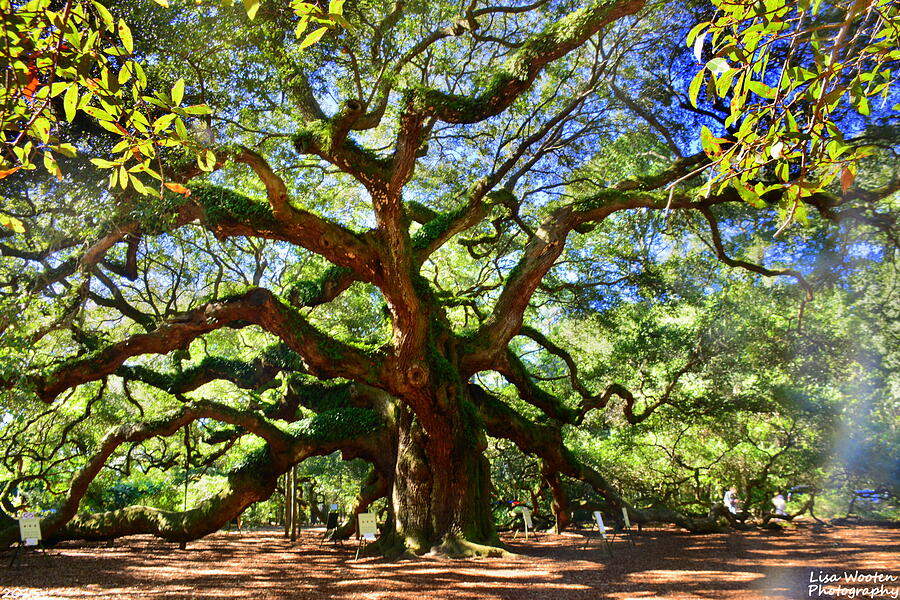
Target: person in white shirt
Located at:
point(730, 500)
point(780, 504)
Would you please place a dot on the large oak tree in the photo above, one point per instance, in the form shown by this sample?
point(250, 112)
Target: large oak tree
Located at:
point(389, 214)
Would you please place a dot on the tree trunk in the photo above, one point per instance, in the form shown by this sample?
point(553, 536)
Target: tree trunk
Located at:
point(442, 484)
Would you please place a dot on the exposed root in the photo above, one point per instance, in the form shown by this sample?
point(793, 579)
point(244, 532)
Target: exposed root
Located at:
point(391, 545)
point(454, 547)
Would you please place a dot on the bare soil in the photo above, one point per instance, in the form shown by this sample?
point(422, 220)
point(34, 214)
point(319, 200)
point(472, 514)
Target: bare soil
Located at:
point(664, 563)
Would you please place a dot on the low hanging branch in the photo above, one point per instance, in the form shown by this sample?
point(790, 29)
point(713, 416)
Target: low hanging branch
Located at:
point(545, 441)
point(255, 306)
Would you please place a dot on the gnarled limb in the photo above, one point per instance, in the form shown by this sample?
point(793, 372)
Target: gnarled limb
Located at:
point(545, 441)
point(252, 481)
point(521, 69)
point(257, 306)
point(336, 243)
point(720, 254)
point(278, 440)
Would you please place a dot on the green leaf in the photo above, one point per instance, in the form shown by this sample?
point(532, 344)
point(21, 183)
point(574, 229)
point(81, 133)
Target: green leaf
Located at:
point(835, 148)
point(103, 164)
point(206, 160)
point(105, 16)
point(708, 140)
point(67, 150)
point(723, 83)
point(198, 109)
point(163, 122)
point(181, 130)
point(782, 170)
point(178, 92)
point(791, 121)
point(111, 127)
point(340, 21)
point(800, 214)
point(70, 102)
point(140, 188)
point(124, 74)
point(749, 196)
point(58, 88)
point(718, 65)
point(695, 30)
point(251, 6)
point(12, 223)
point(694, 88)
point(51, 165)
point(301, 27)
point(761, 89)
point(336, 7)
point(140, 74)
point(41, 129)
point(98, 113)
point(125, 36)
point(314, 37)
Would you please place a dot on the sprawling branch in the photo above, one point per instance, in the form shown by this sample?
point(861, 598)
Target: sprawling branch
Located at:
point(521, 69)
point(541, 253)
point(720, 254)
point(515, 372)
point(252, 481)
point(328, 140)
point(545, 441)
point(323, 356)
point(228, 213)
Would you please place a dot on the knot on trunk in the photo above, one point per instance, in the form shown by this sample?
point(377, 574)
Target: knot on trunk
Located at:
point(417, 374)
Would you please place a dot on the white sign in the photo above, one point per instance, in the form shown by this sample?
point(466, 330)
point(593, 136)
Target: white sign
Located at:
point(627, 520)
point(526, 516)
point(367, 527)
point(29, 529)
point(600, 524)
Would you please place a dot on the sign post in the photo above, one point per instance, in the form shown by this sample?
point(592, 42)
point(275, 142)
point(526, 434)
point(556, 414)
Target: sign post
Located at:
point(598, 518)
point(331, 525)
point(29, 535)
point(527, 521)
point(628, 526)
point(368, 529)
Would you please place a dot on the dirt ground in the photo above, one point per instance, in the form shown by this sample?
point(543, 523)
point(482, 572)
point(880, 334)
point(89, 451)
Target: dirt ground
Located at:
point(663, 563)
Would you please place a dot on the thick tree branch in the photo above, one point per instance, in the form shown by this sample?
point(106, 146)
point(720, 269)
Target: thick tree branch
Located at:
point(336, 243)
point(545, 441)
point(252, 481)
point(541, 253)
point(520, 71)
point(323, 355)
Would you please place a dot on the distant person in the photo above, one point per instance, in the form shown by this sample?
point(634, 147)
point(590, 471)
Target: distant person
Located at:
point(730, 500)
point(780, 504)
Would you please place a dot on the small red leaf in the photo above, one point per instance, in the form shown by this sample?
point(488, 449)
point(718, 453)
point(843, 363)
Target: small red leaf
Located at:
point(8, 172)
point(847, 177)
point(178, 188)
point(32, 85)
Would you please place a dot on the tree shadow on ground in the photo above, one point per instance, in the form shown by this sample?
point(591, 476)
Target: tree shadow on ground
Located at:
point(662, 564)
